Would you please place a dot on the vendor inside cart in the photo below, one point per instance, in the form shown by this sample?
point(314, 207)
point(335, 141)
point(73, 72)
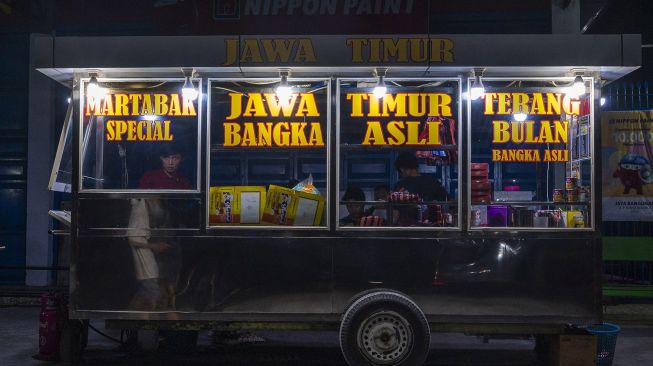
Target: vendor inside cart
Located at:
point(355, 210)
point(412, 182)
point(428, 188)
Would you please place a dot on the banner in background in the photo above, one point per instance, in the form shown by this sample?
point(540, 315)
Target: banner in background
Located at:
point(627, 154)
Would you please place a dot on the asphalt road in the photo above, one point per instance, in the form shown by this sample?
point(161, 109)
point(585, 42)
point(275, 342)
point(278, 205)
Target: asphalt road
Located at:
point(19, 341)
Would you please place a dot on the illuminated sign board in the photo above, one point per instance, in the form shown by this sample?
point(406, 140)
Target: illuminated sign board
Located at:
point(252, 116)
point(143, 116)
point(541, 132)
point(399, 119)
point(401, 50)
point(261, 113)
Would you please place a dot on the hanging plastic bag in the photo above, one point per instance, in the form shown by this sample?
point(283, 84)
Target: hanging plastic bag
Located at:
point(307, 186)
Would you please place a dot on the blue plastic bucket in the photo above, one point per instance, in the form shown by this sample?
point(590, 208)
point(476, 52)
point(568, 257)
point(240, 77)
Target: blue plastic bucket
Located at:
point(606, 342)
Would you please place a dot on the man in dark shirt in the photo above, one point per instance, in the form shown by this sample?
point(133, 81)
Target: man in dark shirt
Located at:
point(428, 188)
point(168, 176)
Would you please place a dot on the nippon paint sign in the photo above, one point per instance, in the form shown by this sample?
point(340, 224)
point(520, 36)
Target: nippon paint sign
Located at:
point(317, 7)
point(319, 16)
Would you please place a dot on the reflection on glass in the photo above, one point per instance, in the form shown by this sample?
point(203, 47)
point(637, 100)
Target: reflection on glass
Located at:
point(157, 260)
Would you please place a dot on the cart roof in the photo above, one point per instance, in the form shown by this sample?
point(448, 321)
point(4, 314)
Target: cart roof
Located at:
point(514, 55)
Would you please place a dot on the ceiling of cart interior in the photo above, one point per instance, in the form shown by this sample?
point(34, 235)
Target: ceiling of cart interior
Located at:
point(520, 56)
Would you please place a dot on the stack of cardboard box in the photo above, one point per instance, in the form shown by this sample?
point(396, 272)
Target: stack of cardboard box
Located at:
point(481, 186)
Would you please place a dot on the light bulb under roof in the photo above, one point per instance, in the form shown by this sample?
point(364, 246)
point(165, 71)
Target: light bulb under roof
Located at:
point(380, 89)
point(283, 90)
point(188, 90)
point(477, 90)
point(94, 90)
point(577, 88)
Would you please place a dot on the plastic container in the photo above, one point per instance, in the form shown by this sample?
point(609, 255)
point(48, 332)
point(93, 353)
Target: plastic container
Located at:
point(606, 342)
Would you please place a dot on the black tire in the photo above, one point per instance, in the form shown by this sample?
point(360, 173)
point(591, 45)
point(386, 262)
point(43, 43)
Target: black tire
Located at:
point(353, 299)
point(384, 328)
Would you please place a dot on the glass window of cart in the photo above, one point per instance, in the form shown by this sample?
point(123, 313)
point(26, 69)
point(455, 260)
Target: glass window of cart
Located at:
point(398, 153)
point(139, 135)
point(531, 155)
point(61, 176)
point(268, 146)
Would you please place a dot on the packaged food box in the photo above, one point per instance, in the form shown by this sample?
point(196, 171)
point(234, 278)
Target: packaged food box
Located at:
point(221, 204)
point(498, 216)
point(279, 206)
point(479, 215)
point(308, 209)
point(478, 185)
point(250, 201)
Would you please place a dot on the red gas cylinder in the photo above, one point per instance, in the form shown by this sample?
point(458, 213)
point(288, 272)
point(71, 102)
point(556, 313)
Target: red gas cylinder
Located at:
point(51, 322)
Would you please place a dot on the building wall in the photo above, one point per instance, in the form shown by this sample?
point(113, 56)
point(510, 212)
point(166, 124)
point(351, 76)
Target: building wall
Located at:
point(14, 71)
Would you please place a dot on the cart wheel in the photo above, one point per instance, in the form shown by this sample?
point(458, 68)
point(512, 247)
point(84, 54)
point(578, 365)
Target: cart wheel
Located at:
point(384, 328)
point(72, 342)
point(353, 299)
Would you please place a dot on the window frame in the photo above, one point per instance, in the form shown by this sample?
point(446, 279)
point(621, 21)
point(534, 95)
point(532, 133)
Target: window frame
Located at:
point(460, 122)
point(198, 172)
point(328, 150)
point(592, 202)
point(53, 184)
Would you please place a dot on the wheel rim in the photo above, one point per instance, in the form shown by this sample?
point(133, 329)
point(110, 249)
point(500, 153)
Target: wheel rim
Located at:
point(385, 338)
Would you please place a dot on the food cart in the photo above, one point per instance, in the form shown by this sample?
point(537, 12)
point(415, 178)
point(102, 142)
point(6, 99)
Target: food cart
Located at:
point(463, 197)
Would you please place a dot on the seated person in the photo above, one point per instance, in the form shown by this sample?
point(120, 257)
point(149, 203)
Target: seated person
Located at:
point(168, 176)
point(355, 210)
point(381, 193)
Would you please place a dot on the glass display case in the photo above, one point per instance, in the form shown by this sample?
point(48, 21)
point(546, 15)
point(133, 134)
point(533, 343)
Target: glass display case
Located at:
point(138, 134)
point(268, 163)
point(398, 154)
point(531, 155)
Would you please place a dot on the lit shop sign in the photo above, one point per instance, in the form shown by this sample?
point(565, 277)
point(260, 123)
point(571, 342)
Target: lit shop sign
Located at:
point(544, 131)
point(142, 115)
point(403, 50)
point(401, 114)
point(270, 122)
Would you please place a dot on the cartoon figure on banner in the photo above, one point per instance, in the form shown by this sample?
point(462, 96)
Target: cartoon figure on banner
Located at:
point(225, 209)
point(634, 171)
point(282, 207)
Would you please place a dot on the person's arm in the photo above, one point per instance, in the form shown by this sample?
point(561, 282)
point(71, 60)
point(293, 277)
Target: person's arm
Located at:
point(139, 224)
